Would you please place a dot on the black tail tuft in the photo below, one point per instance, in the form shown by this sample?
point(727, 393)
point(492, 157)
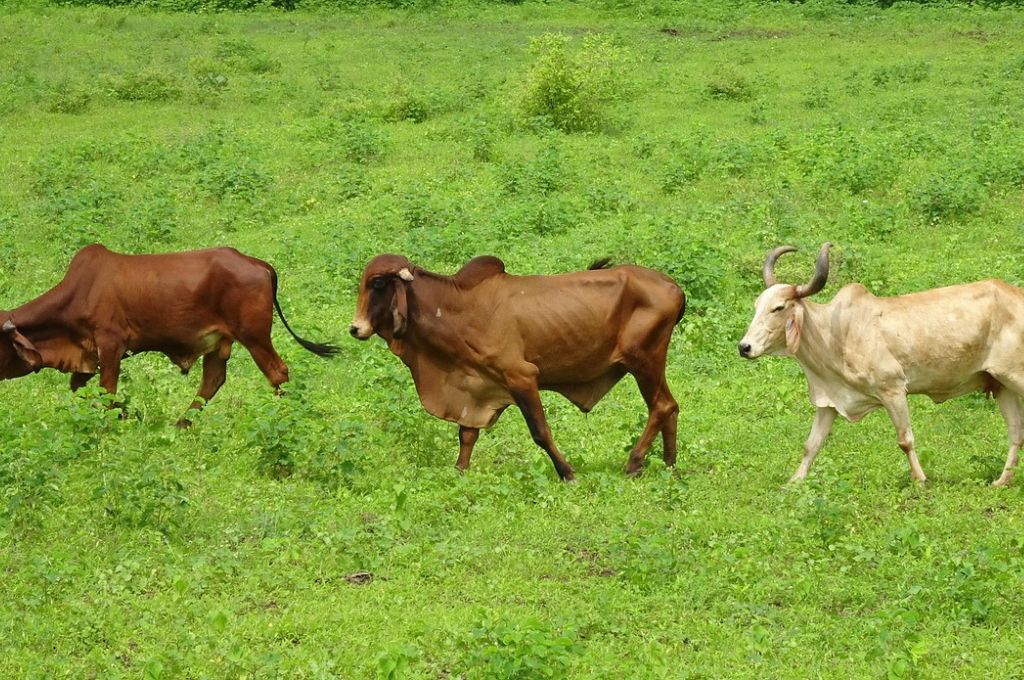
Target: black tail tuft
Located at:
point(317, 348)
point(600, 264)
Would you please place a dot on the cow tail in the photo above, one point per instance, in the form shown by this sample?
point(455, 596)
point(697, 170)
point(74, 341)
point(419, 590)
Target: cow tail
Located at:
point(320, 349)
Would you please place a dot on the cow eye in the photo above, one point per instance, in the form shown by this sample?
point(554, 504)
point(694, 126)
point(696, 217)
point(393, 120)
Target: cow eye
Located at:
point(378, 283)
point(779, 308)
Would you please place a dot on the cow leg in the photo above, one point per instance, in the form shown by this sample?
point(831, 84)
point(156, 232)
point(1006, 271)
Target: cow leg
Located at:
point(668, 431)
point(899, 411)
point(467, 440)
point(527, 398)
point(269, 361)
point(110, 354)
point(78, 380)
point(1010, 407)
point(215, 370)
point(662, 413)
point(823, 419)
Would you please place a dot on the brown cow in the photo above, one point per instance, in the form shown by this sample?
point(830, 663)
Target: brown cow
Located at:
point(482, 339)
point(185, 305)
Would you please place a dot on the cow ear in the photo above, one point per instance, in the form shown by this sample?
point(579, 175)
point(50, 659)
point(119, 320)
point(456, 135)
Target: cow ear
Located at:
point(794, 324)
point(23, 346)
point(400, 310)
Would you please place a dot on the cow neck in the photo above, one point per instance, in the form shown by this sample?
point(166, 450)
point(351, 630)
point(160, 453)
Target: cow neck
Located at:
point(815, 338)
point(41, 313)
point(425, 330)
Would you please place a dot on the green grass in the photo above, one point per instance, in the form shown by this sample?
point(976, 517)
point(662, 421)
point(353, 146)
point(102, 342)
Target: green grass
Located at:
point(315, 141)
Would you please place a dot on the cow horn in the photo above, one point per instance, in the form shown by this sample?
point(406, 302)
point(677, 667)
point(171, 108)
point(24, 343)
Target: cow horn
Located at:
point(405, 274)
point(769, 264)
point(820, 277)
point(9, 326)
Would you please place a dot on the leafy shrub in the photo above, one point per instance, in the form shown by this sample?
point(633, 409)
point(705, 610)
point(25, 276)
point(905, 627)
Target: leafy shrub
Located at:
point(697, 266)
point(544, 216)
point(680, 173)
point(144, 86)
point(900, 74)
point(644, 145)
point(688, 162)
point(648, 561)
point(408, 106)
point(729, 85)
point(286, 441)
point(948, 195)
point(525, 649)
point(861, 172)
point(155, 220)
point(817, 98)
point(360, 140)
point(145, 492)
point(349, 182)
point(572, 90)
point(481, 135)
point(543, 174)
point(242, 55)
point(422, 209)
point(337, 465)
point(613, 198)
point(234, 179)
point(67, 98)
point(209, 75)
point(31, 474)
point(392, 663)
point(734, 157)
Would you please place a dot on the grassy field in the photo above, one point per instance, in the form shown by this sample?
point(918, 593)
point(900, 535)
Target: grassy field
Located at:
point(698, 141)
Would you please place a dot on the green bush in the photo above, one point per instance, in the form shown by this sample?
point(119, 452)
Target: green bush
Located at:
point(149, 85)
point(572, 90)
point(729, 85)
point(68, 98)
point(525, 649)
point(948, 195)
point(360, 140)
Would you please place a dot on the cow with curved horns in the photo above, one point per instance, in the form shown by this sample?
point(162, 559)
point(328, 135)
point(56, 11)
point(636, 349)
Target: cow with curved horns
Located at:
point(481, 340)
point(860, 352)
point(185, 305)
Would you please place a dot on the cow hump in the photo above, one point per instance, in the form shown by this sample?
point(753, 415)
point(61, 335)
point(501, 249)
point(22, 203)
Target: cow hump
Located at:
point(478, 269)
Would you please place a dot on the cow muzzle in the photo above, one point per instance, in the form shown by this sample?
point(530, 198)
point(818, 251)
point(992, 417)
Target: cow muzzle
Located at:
point(745, 350)
point(360, 330)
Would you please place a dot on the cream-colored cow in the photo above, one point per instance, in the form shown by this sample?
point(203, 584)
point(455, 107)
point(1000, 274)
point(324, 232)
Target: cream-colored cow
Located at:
point(860, 352)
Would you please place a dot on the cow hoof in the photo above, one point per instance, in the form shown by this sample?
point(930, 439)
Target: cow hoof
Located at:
point(183, 423)
point(1002, 482)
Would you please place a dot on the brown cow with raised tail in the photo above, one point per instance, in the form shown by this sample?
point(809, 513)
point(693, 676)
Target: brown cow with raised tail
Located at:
point(185, 305)
point(483, 339)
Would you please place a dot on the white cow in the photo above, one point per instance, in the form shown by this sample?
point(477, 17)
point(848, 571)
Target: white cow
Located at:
point(860, 352)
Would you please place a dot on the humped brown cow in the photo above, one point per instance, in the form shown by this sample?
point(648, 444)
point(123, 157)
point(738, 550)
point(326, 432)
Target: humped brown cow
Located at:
point(185, 305)
point(860, 352)
point(483, 339)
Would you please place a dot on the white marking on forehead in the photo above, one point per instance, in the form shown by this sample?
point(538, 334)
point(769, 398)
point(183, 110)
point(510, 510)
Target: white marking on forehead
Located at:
point(438, 315)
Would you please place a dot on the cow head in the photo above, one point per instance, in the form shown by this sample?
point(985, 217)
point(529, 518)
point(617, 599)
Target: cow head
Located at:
point(18, 356)
point(383, 303)
point(779, 312)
